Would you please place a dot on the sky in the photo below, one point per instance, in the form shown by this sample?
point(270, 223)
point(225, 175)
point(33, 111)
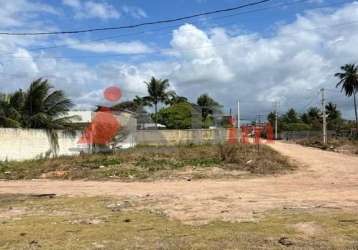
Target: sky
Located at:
point(280, 51)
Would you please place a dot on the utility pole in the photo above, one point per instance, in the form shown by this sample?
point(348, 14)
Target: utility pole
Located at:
point(324, 116)
point(276, 119)
point(238, 120)
point(258, 120)
point(238, 116)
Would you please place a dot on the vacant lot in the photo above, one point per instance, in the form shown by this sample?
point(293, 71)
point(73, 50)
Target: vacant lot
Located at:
point(150, 163)
point(107, 223)
point(313, 207)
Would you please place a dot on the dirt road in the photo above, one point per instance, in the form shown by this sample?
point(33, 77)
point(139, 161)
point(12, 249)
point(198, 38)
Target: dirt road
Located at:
point(324, 180)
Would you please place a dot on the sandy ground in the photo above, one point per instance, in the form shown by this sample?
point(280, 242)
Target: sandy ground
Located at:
point(324, 180)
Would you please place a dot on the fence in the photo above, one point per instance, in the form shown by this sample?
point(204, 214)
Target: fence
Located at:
point(297, 135)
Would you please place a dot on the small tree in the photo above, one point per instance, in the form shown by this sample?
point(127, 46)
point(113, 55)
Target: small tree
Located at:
point(177, 116)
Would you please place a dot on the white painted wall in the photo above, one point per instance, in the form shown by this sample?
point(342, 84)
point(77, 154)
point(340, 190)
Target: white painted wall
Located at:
point(22, 144)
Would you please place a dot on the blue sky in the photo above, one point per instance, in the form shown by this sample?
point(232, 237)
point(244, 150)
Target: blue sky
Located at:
point(284, 50)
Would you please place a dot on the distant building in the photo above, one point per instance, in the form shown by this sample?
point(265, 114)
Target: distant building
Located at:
point(127, 122)
point(82, 117)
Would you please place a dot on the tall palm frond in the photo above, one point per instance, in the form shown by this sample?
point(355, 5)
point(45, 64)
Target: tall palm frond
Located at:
point(348, 81)
point(157, 93)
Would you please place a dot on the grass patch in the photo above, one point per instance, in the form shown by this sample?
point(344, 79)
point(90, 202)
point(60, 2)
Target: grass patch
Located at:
point(149, 162)
point(90, 223)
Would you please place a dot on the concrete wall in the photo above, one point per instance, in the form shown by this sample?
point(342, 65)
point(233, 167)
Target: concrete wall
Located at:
point(176, 136)
point(21, 144)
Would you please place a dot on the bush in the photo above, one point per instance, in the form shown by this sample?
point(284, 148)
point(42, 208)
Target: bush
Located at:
point(177, 116)
point(227, 152)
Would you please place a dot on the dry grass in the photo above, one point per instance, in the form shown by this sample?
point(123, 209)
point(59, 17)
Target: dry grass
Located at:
point(342, 145)
point(92, 223)
point(149, 163)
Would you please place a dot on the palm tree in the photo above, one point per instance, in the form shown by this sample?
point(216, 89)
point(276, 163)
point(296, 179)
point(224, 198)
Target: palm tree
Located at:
point(332, 111)
point(208, 105)
point(158, 92)
point(10, 109)
point(38, 107)
point(348, 80)
point(175, 99)
point(44, 108)
point(334, 116)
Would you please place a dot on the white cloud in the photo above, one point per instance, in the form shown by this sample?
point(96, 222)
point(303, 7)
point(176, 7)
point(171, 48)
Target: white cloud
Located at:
point(16, 13)
point(134, 11)
point(134, 47)
point(289, 66)
point(92, 9)
point(286, 67)
point(72, 3)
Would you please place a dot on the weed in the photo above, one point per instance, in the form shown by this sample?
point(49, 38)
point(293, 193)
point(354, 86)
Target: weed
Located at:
point(149, 162)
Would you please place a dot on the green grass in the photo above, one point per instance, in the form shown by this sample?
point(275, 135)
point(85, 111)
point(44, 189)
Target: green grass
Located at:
point(65, 223)
point(149, 163)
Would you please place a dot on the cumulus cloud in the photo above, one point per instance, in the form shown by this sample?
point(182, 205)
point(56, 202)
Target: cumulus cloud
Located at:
point(288, 66)
point(16, 13)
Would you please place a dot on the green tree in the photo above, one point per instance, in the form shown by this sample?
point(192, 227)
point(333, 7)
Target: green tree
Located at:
point(175, 99)
point(38, 107)
point(10, 109)
point(45, 108)
point(126, 105)
point(348, 81)
point(271, 118)
point(177, 116)
point(208, 106)
point(312, 117)
point(334, 118)
point(291, 116)
point(157, 93)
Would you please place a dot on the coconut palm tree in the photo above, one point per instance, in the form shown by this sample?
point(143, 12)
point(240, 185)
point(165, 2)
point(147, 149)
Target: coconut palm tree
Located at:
point(208, 105)
point(332, 111)
point(44, 108)
point(38, 107)
point(175, 99)
point(10, 109)
point(348, 81)
point(334, 116)
point(158, 92)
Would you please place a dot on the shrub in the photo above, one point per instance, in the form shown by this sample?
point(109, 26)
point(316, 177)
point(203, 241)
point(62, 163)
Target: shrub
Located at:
point(227, 152)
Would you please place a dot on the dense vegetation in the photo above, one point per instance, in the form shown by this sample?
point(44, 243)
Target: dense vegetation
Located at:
point(310, 120)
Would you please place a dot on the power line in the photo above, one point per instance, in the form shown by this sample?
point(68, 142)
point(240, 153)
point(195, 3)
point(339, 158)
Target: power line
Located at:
point(169, 27)
point(136, 25)
point(189, 49)
point(111, 38)
point(180, 50)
